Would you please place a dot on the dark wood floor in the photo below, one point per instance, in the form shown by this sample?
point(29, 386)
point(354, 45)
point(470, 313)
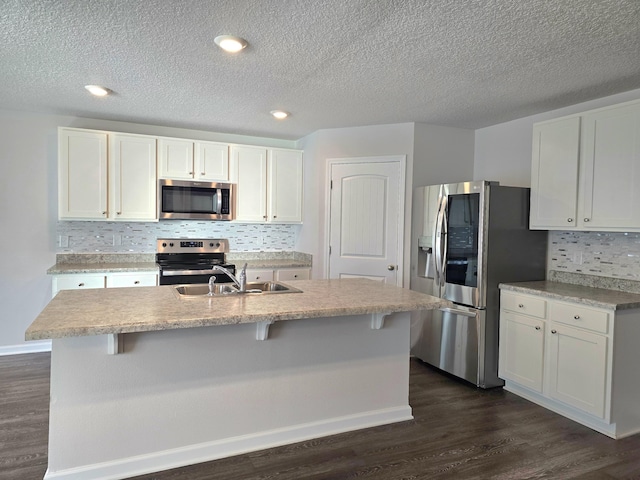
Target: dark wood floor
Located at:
point(459, 432)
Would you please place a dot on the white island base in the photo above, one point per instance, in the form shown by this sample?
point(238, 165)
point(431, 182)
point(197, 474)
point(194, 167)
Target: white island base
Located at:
point(184, 396)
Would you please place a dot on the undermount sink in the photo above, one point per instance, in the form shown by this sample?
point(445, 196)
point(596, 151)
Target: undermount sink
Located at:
point(224, 289)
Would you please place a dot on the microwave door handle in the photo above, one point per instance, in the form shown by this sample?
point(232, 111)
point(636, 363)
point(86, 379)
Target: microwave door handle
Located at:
point(437, 244)
point(219, 200)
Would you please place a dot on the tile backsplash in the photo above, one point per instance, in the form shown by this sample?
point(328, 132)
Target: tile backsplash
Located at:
point(605, 254)
point(134, 237)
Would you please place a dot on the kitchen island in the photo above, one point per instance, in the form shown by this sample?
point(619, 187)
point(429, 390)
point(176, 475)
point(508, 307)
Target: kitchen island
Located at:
point(144, 380)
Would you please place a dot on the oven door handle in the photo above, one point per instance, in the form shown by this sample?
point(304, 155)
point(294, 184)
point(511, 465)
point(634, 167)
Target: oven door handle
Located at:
point(175, 273)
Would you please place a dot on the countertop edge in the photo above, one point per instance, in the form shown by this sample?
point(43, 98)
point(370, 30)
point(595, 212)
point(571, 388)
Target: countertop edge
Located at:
point(576, 294)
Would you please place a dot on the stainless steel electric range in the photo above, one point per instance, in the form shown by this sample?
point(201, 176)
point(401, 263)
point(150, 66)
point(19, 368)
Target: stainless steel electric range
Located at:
point(191, 260)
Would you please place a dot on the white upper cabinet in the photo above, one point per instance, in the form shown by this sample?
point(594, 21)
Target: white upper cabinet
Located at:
point(554, 174)
point(269, 184)
point(181, 159)
point(585, 171)
point(285, 186)
point(175, 158)
point(106, 176)
point(610, 178)
point(132, 177)
point(211, 161)
point(82, 174)
point(249, 172)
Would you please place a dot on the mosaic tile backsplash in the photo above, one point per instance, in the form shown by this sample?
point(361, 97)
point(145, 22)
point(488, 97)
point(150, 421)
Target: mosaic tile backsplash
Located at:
point(603, 254)
point(123, 237)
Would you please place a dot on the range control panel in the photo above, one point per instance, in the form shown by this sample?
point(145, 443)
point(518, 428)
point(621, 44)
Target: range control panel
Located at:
point(193, 245)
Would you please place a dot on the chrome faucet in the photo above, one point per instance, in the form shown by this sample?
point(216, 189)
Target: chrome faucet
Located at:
point(240, 281)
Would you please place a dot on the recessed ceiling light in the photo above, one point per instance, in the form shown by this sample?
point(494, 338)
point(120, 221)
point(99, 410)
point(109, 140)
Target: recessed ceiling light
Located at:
point(229, 43)
point(279, 114)
point(97, 90)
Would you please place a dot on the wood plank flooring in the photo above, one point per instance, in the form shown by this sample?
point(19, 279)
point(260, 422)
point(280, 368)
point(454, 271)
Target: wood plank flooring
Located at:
point(459, 432)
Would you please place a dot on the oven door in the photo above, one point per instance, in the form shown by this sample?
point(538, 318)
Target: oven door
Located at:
point(190, 275)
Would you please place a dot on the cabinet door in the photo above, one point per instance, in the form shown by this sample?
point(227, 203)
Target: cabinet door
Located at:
point(175, 158)
point(82, 174)
point(577, 364)
point(611, 165)
point(134, 279)
point(259, 275)
point(554, 174)
point(285, 274)
point(285, 186)
point(211, 161)
point(249, 172)
point(77, 281)
point(521, 353)
point(133, 187)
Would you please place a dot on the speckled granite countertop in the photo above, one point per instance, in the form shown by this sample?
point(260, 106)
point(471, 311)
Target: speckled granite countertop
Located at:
point(132, 262)
point(74, 313)
point(595, 297)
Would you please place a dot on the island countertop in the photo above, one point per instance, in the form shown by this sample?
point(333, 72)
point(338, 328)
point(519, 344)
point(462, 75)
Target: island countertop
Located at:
point(75, 313)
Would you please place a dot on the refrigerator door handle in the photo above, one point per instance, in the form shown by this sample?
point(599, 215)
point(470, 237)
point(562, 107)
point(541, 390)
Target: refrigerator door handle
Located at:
point(439, 244)
point(456, 311)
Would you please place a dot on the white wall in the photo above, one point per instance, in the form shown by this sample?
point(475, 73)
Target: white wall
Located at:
point(323, 145)
point(442, 155)
point(28, 217)
point(434, 154)
point(503, 152)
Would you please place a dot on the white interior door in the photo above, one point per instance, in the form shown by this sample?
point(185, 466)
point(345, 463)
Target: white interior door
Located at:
point(367, 219)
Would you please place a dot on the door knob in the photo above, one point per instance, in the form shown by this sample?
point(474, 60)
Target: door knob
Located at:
point(391, 267)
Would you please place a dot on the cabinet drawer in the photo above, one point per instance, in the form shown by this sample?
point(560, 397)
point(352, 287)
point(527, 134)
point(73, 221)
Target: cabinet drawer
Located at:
point(579, 316)
point(74, 282)
point(524, 304)
point(293, 274)
point(132, 280)
point(259, 275)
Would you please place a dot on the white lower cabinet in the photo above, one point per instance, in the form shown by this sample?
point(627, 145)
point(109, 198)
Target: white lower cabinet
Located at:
point(561, 355)
point(281, 274)
point(76, 281)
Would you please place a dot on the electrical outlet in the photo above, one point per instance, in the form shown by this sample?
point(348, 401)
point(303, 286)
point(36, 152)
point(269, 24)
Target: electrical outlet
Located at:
point(63, 241)
point(577, 258)
point(117, 240)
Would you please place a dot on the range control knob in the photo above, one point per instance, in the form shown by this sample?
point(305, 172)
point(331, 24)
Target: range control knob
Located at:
point(164, 244)
point(171, 244)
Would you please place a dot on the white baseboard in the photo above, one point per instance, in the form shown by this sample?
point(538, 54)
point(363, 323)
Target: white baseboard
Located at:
point(205, 452)
point(30, 347)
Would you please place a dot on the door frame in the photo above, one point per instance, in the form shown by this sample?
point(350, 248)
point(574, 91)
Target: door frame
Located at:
point(402, 162)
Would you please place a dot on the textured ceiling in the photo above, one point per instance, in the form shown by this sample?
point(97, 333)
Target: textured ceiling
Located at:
point(333, 63)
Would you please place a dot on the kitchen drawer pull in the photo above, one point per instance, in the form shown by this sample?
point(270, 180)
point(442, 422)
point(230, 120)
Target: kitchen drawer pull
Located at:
point(569, 219)
point(538, 327)
point(554, 331)
point(587, 219)
point(520, 305)
point(576, 317)
point(137, 282)
point(81, 284)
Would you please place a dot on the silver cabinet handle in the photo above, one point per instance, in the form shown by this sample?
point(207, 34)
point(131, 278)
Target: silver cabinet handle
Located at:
point(81, 284)
point(104, 213)
point(554, 331)
point(577, 317)
point(520, 305)
point(569, 219)
point(275, 216)
point(538, 327)
point(137, 282)
point(202, 173)
point(391, 267)
point(587, 219)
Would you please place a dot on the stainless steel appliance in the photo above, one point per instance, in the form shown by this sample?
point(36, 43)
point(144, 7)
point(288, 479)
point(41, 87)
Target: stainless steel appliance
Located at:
point(196, 200)
point(466, 239)
point(191, 260)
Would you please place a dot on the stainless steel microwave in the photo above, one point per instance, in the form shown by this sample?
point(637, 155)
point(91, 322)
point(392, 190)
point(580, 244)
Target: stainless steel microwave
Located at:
point(178, 199)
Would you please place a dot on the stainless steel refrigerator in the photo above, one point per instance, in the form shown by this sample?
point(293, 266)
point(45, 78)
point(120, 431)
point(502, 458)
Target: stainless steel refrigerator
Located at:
point(466, 239)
